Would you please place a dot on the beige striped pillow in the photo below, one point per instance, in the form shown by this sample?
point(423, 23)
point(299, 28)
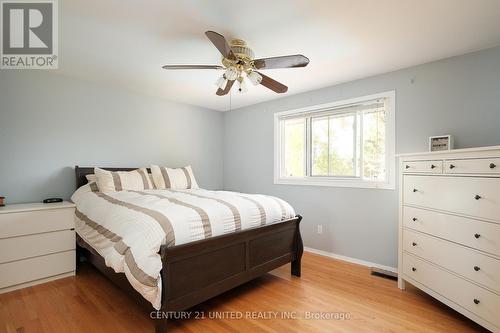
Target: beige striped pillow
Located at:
point(114, 181)
point(179, 178)
point(93, 186)
point(91, 178)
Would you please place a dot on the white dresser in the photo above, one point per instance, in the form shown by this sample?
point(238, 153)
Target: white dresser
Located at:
point(37, 244)
point(449, 229)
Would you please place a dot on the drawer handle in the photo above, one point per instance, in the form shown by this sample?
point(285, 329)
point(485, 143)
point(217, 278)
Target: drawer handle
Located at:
point(415, 190)
point(452, 166)
point(476, 268)
point(414, 219)
point(432, 166)
point(492, 166)
point(477, 235)
point(414, 269)
point(407, 166)
point(414, 244)
point(477, 197)
point(476, 301)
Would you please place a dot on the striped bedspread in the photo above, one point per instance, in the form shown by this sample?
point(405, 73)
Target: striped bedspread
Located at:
point(127, 228)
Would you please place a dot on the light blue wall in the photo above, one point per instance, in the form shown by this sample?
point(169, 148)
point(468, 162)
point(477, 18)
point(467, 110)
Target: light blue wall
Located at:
point(41, 139)
point(50, 123)
point(458, 96)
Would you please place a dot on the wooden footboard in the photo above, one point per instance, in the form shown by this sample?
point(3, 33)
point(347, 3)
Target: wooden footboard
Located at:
point(195, 272)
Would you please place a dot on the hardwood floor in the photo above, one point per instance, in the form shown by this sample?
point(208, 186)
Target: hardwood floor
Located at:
point(90, 303)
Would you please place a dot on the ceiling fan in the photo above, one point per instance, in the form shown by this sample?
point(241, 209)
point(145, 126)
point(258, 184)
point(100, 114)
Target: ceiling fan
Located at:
point(238, 62)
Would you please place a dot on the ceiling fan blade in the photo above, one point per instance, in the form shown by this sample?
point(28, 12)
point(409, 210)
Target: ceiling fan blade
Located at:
point(273, 84)
point(228, 87)
point(221, 44)
point(192, 67)
point(290, 61)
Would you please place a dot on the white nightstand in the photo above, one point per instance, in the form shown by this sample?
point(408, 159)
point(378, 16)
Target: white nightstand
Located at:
point(37, 244)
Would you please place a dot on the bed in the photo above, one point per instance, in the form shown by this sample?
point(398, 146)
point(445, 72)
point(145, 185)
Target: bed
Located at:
point(198, 270)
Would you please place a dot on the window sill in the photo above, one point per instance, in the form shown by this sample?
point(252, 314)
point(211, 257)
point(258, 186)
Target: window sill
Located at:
point(335, 183)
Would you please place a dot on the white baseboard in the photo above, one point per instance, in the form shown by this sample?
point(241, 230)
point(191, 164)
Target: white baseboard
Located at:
point(351, 260)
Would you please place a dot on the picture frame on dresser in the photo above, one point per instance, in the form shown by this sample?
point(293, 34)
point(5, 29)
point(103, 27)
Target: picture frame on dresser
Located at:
point(440, 143)
point(449, 229)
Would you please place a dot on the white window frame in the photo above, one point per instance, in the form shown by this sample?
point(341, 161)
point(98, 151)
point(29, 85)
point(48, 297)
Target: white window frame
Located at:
point(390, 116)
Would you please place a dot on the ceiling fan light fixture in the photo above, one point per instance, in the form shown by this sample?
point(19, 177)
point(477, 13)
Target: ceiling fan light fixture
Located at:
point(239, 64)
point(255, 78)
point(221, 82)
point(242, 87)
point(231, 73)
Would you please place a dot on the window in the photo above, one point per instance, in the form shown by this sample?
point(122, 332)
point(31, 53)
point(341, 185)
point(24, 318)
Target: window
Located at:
point(348, 143)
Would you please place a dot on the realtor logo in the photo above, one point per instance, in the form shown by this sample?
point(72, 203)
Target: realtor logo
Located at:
point(29, 34)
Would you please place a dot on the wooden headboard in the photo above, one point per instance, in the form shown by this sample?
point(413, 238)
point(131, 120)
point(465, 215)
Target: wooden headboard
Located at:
point(81, 172)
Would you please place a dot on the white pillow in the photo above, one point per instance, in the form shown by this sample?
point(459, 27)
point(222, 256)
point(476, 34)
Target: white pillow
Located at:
point(179, 178)
point(114, 181)
point(89, 187)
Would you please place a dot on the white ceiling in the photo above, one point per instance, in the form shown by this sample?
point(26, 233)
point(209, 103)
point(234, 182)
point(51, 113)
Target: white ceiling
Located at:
point(125, 42)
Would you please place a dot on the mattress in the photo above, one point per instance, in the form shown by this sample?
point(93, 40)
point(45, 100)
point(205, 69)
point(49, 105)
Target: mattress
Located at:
point(127, 228)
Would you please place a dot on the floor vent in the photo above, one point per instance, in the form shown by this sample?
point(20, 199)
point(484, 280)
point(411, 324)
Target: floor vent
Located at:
point(384, 273)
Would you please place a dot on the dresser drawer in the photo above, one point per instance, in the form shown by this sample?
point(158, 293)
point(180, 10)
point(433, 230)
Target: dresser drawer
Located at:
point(423, 166)
point(473, 166)
point(477, 197)
point(27, 270)
point(22, 247)
point(32, 222)
point(484, 236)
point(471, 264)
point(454, 288)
